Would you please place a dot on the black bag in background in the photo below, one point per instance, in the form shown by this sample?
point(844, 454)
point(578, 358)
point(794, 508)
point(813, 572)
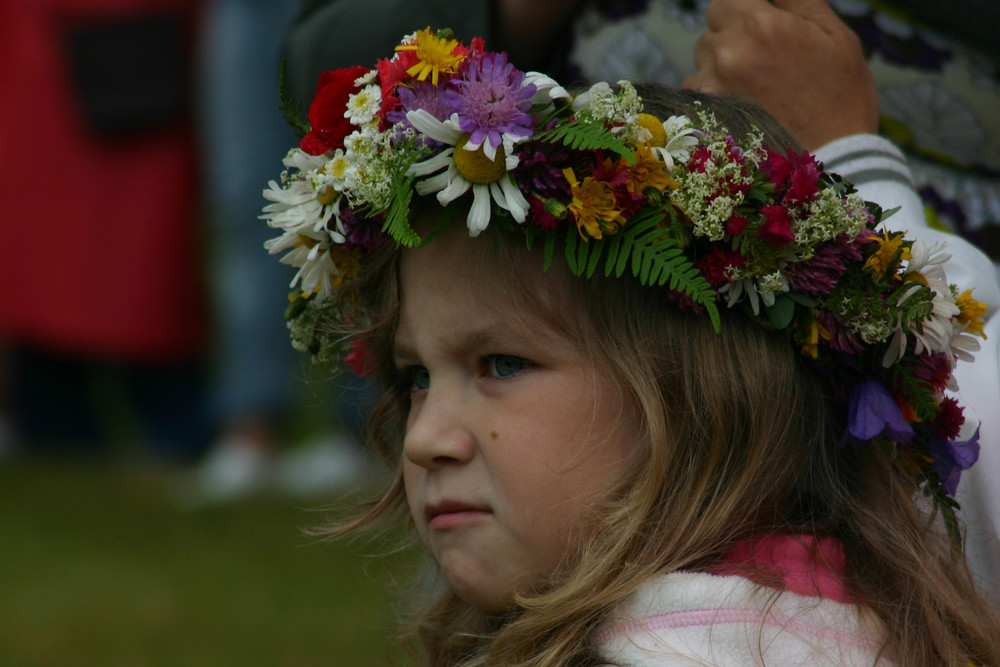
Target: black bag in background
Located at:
point(129, 75)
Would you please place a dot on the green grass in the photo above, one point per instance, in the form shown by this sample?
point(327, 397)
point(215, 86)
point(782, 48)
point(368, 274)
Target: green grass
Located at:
point(98, 568)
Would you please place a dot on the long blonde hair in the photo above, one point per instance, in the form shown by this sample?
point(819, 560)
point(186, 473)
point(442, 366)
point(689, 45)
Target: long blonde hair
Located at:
point(740, 439)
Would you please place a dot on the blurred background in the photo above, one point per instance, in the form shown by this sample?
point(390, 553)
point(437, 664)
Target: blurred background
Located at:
point(162, 449)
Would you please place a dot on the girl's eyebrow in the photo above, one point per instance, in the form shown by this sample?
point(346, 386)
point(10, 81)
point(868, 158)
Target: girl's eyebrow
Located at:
point(464, 341)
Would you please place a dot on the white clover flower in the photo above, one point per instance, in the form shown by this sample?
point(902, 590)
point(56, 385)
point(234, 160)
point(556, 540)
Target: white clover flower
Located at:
point(827, 217)
point(619, 111)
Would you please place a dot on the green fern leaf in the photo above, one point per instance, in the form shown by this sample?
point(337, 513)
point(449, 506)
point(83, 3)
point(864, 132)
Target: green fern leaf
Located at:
point(397, 218)
point(587, 136)
point(291, 108)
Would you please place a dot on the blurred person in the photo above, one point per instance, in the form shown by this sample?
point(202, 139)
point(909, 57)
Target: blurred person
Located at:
point(100, 291)
point(255, 375)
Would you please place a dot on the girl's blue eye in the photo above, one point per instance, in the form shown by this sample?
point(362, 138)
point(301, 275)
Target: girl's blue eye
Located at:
point(420, 378)
point(503, 366)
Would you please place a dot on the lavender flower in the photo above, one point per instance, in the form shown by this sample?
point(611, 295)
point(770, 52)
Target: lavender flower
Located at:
point(492, 104)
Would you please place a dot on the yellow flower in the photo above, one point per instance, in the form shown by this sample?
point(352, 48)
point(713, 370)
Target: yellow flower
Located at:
point(648, 172)
point(653, 125)
point(435, 55)
point(882, 260)
point(971, 313)
point(348, 263)
point(814, 333)
point(593, 207)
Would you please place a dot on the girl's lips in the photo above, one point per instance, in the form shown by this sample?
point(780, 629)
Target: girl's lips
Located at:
point(445, 515)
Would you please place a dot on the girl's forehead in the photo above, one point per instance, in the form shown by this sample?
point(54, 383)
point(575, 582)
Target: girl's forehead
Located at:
point(467, 284)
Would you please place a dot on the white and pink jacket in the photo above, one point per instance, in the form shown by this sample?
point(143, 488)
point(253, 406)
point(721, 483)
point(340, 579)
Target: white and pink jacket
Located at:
point(726, 620)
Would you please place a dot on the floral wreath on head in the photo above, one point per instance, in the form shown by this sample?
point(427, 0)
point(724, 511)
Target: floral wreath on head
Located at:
point(677, 202)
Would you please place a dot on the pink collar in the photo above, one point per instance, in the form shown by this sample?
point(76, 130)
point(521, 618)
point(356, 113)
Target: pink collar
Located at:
point(801, 564)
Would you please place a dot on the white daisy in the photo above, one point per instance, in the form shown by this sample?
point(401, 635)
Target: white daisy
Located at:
point(454, 181)
point(681, 138)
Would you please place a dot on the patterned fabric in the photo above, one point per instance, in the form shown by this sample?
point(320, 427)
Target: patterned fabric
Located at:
point(939, 100)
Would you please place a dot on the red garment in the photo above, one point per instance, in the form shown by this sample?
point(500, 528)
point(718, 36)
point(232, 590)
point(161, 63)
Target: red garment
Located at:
point(802, 564)
point(98, 234)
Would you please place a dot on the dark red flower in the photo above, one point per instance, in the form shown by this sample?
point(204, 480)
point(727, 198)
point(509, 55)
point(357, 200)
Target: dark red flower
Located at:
point(541, 216)
point(715, 264)
point(777, 227)
point(735, 224)
point(802, 186)
point(935, 369)
point(949, 419)
point(326, 115)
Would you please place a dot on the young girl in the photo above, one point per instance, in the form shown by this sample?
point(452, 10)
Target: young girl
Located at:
point(658, 391)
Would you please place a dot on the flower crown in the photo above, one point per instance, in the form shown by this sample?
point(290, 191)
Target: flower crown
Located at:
point(676, 202)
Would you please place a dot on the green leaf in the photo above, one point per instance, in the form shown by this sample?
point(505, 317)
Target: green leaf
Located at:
point(782, 312)
point(572, 240)
point(596, 251)
point(397, 219)
point(614, 247)
point(290, 107)
point(550, 250)
point(587, 136)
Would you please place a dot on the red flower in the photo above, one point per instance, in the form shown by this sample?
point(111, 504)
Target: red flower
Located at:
point(802, 185)
point(356, 360)
point(949, 419)
point(541, 216)
point(798, 172)
point(326, 115)
point(714, 266)
point(735, 224)
point(777, 227)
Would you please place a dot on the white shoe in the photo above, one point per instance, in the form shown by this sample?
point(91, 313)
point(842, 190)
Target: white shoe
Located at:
point(235, 469)
point(328, 465)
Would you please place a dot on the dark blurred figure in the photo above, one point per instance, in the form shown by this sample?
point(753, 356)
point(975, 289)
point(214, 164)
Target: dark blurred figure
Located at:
point(100, 289)
point(256, 376)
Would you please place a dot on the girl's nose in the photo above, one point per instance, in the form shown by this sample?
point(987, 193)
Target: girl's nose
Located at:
point(439, 432)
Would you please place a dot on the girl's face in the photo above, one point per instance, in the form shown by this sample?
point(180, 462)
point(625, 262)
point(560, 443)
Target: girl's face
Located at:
point(512, 437)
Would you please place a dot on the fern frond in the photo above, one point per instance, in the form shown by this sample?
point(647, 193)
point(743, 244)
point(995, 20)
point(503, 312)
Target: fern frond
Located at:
point(587, 136)
point(397, 218)
point(290, 107)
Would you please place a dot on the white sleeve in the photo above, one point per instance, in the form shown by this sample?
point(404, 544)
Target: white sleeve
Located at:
point(880, 173)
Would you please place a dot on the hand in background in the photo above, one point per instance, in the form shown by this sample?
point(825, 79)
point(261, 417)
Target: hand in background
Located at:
point(795, 58)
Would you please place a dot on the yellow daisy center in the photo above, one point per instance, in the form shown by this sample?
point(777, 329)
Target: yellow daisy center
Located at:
point(475, 167)
point(327, 195)
point(652, 124)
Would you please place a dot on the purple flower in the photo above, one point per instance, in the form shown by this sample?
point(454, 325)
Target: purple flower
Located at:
point(492, 101)
point(361, 232)
point(951, 457)
point(423, 95)
point(873, 412)
point(843, 339)
point(818, 275)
